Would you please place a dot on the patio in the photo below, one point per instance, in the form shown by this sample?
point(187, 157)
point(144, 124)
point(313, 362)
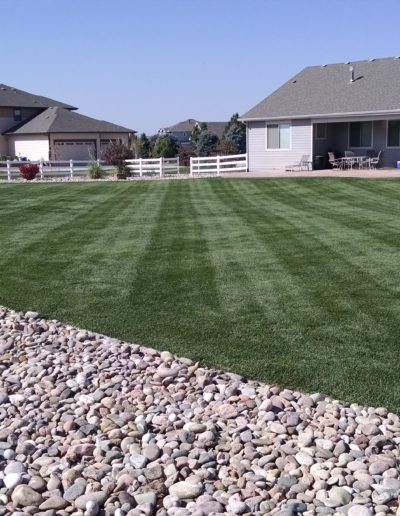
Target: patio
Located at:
point(383, 173)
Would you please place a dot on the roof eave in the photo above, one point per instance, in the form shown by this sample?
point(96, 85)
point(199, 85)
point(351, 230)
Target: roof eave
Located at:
point(321, 115)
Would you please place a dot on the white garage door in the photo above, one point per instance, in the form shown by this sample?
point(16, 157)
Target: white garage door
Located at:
point(84, 150)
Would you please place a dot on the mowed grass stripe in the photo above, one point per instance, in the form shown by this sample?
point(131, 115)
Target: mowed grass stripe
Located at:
point(174, 296)
point(329, 313)
point(66, 258)
point(287, 281)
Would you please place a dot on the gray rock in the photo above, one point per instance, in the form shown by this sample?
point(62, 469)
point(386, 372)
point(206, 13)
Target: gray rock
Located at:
point(98, 497)
point(186, 489)
point(25, 496)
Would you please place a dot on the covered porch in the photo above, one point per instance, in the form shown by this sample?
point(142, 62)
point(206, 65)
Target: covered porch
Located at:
point(364, 138)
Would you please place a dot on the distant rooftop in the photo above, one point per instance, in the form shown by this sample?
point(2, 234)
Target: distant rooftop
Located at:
point(189, 124)
point(328, 90)
point(12, 97)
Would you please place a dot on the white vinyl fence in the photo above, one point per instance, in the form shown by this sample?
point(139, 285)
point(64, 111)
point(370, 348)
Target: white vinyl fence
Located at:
point(219, 164)
point(159, 166)
point(49, 169)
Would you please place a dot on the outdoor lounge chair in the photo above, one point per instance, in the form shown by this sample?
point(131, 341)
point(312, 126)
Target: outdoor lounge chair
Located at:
point(303, 164)
point(335, 162)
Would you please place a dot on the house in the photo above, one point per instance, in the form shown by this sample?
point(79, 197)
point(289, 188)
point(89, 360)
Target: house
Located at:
point(36, 127)
point(338, 107)
point(182, 130)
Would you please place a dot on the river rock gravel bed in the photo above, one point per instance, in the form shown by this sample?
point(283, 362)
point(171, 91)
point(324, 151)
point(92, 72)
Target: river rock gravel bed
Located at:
point(92, 425)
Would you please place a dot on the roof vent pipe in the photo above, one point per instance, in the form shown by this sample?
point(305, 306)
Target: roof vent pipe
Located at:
point(351, 68)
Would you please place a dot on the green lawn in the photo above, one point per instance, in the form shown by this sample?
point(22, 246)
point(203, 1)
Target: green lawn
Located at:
point(295, 282)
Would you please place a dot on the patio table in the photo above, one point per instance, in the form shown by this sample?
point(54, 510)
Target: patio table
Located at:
point(350, 161)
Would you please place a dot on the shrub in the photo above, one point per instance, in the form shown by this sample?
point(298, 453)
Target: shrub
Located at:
point(185, 153)
point(28, 171)
point(207, 143)
point(165, 147)
point(3, 157)
point(115, 154)
point(95, 170)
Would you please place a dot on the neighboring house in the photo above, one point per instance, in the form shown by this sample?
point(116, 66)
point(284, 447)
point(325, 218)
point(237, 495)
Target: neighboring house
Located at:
point(36, 127)
point(181, 131)
point(338, 107)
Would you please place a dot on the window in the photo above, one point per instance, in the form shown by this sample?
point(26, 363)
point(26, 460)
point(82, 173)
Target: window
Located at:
point(17, 115)
point(320, 131)
point(393, 134)
point(360, 134)
point(278, 136)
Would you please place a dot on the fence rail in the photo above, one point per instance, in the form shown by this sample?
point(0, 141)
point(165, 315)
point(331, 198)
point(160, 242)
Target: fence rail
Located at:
point(49, 169)
point(160, 166)
point(219, 164)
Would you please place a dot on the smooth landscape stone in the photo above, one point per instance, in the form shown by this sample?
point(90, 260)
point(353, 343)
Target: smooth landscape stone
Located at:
point(186, 489)
point(98, 497)
point(25, 496)
point(359, 510)
point(92, 425)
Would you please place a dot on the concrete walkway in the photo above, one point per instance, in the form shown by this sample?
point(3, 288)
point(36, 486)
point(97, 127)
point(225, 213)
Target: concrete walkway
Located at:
point(384, 173)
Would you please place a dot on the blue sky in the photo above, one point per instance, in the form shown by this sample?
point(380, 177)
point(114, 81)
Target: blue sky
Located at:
point(148, 64)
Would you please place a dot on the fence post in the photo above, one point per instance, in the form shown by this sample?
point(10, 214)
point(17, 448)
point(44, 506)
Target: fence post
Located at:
point(71, 168)
point(140, 168)
point(191, 166)
point(161, 166)
point(8, 170)
point(177, 165)
point(247, 162)
point(218, 169)
point(41, 168)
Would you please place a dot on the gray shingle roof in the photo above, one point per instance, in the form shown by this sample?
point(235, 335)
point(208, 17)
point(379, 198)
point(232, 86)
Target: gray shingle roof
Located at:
point(60, 120)
point(12, 97)
point(185, 126)
point(327, 90)
point(188, 126)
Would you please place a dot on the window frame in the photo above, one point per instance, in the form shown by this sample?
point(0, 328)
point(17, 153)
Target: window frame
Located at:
point(17, 118)
point(325, 125)
point(279, 124)
point(387, 135)
point(371, 146)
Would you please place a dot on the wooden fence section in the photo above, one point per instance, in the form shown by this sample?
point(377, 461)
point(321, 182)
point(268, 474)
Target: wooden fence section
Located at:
point(49, 169)
point(219, 164)
point(159, 166)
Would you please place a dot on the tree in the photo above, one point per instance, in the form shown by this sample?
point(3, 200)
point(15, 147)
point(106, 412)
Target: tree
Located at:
point(226, 147)
point(235, 132)
point(115, 154)
point(207, 143)
point(234, 120)
point(140, 146)
point(196, 131)
point(237, 136)
point(165, 147)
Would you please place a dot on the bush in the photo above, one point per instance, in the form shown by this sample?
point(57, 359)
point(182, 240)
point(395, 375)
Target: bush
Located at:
point(95, 170)
point(29, 171)
point(3, 157)
point(115, 154)
point(207, 143)
point(185, 153)
point(165, 147)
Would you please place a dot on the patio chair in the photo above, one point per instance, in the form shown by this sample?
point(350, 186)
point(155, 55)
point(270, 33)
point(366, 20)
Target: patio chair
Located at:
point(336, 163)
point(366, 163)
point(376, 161)
point(303, 164)
point(349, 162)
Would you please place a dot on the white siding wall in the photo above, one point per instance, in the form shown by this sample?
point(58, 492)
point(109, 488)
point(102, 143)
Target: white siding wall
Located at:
point(262, 159)
point(32, 147)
